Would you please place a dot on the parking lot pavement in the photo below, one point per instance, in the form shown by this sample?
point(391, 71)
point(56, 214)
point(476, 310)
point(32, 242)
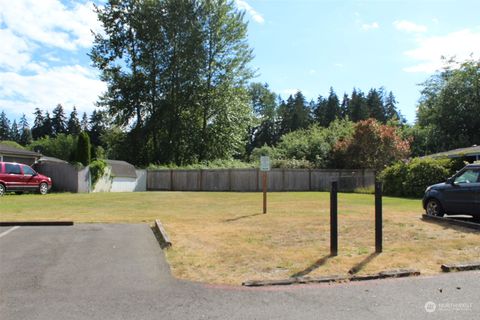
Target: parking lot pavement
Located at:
point(96, 271)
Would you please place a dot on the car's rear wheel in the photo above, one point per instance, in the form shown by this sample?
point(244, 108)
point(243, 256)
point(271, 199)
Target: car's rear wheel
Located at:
point(43, 189)
point(2, 189)
point(434, 208)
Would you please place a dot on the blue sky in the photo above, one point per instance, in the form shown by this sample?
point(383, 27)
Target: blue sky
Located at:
point(308, 45)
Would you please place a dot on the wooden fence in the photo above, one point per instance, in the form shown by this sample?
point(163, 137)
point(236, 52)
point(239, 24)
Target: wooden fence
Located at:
point(249, 180)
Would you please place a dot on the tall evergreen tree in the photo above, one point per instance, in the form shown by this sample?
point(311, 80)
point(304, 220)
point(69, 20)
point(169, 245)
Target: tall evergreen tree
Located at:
point(295, 114)
point(58, 120)
point(358, 106)
point(73, 124)
point(4, 126)
point(319, 112)
point(375, 105)
point(97, 127)
point(345, 106)
point(332, 109)
point(38, 124)
point(47, 127)
point(391, 111)
point(25, 132)
point(82, 153)
point(14, 132)
point(84, 122)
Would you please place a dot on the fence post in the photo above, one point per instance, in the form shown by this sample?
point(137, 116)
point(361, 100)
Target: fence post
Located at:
point(378, 217)
point(334, 219)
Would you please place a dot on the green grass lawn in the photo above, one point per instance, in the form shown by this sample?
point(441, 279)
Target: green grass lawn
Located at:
point(224, 238)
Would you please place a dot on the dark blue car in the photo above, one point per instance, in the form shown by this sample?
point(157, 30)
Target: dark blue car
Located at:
point(460, 194)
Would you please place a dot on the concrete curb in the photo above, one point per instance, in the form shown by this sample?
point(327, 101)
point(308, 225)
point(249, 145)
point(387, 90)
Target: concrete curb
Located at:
point(461, 223)
point(163, 234)
point(460, 266)
point(401, 273)
point(35, 223)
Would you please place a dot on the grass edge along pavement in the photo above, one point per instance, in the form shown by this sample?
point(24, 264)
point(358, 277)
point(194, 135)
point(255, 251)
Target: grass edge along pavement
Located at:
point(223, 238)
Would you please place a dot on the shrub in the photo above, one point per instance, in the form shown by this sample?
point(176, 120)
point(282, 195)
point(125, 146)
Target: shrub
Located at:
point(97, 169)
point(412, 178)
point(82, 153)
point(393, 178)
point(422, 173)
point(62, 146)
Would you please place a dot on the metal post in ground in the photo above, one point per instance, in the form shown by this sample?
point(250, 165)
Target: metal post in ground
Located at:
point(334, 219)
point(378, 218)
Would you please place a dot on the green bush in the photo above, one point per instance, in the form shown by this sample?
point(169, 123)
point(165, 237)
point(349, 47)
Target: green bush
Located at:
point(411, 179)
point(97, 169)
point(62, 146)
point(82, 154)
point(422, 173)
point(393, 178)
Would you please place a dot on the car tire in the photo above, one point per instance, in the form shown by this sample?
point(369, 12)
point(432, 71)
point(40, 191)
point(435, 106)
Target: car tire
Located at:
point(434, 208)
point(2, 190)
point(43, 188)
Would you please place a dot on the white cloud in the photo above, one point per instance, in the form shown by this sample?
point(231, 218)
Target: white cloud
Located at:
point(69, 85)
point(50, 22)
point(370, 26)
point(409, 26)
point(460, 44)
point(257, 17)
point(36, 37)
point(14, 51)
point(290, 91)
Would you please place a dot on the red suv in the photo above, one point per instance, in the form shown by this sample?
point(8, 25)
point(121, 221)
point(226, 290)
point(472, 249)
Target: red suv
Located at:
point(20, 178)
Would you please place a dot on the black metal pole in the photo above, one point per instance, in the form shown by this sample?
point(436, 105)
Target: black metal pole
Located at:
point(334, 219)
point(378, 217)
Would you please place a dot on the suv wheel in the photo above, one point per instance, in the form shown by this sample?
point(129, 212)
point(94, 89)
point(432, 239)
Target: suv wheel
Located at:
point(2, 189)
point(434, 208)
point(43, 188)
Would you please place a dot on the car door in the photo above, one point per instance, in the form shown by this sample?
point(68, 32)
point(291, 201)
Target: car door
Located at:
point(476, 196)
point(14, 177)
point(30, 177)
point(461, 197)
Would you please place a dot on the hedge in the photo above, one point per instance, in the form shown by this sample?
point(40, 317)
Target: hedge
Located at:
point(410, 179)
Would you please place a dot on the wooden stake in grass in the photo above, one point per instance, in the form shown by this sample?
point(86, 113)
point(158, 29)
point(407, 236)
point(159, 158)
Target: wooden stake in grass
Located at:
point(264, 167)
point(264, 186)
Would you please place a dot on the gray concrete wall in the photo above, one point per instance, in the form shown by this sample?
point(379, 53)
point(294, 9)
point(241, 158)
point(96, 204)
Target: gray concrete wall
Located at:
point(249, 180)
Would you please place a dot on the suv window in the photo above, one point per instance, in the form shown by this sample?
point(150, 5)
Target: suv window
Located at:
point(28, 171)
point(469, 176)
point(12, 168)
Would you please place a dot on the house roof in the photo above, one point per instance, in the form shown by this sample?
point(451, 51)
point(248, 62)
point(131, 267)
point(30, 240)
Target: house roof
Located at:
point(51, 159)
point(461, 152)
point(122, 169)
point(6, 149)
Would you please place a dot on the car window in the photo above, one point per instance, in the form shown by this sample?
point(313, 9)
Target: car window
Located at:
point(469, 176)
point(28, 171)
point(12, 168)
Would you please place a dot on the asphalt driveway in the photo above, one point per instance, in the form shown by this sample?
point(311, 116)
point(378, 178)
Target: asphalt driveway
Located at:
point(98, 271)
